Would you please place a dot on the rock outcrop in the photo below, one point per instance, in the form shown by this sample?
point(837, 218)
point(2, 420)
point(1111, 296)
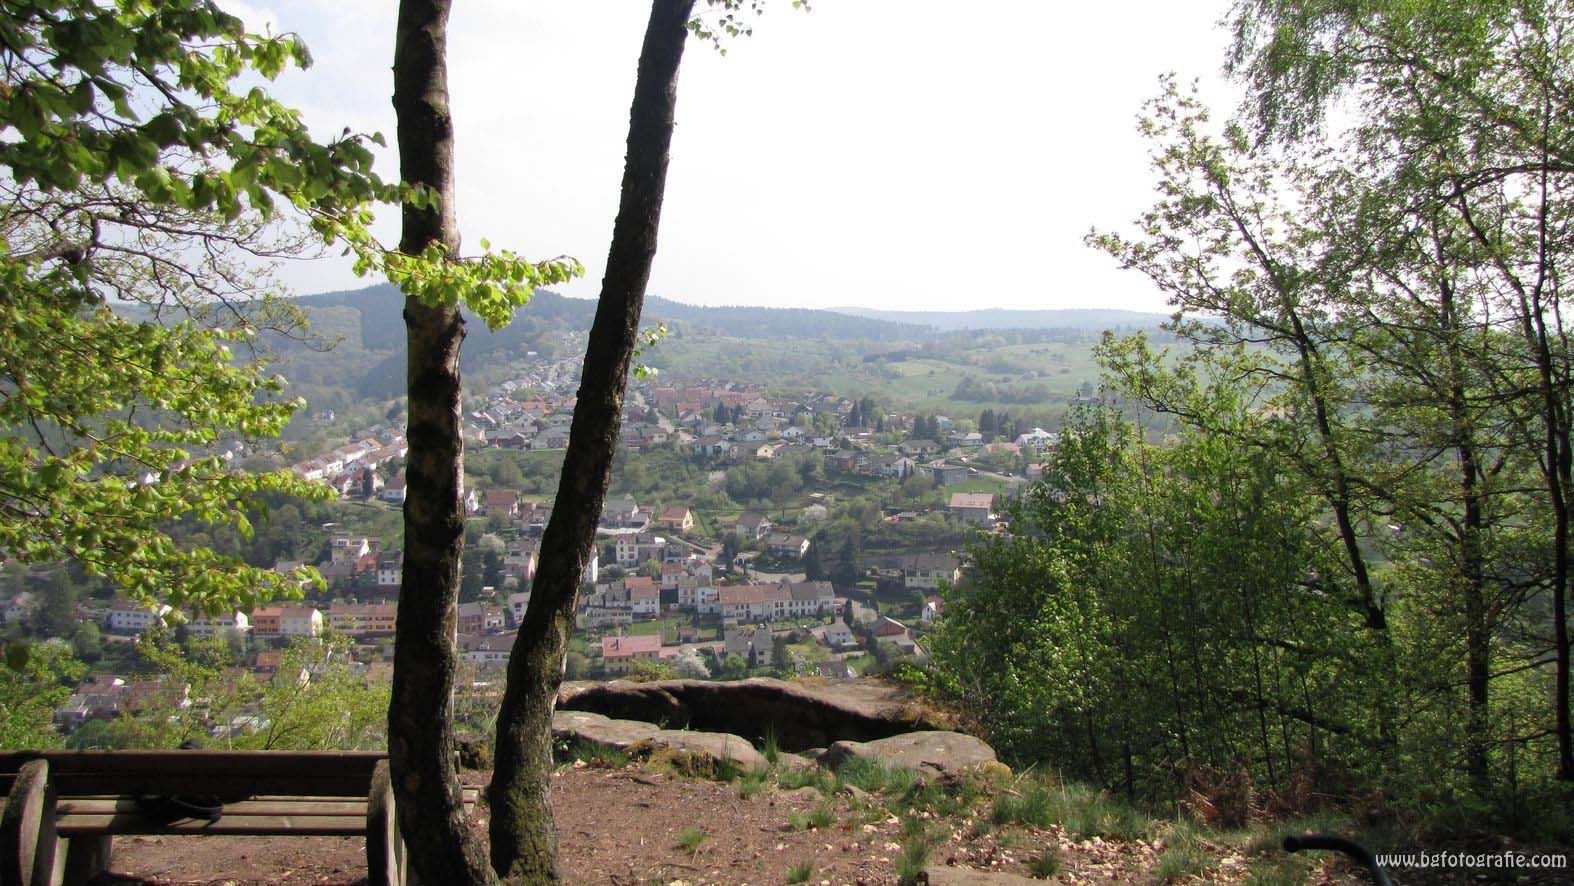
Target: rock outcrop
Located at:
point(637, 738)
point(936, 753)
point(800, 716)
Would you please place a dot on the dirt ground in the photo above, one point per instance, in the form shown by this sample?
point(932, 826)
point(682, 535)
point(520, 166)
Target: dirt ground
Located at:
point(622, 827)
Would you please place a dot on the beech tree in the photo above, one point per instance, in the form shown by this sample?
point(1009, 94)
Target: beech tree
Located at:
point(139, 184)
point(524, 842)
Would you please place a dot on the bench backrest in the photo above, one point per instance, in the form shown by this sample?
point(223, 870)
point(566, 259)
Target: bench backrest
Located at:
point(201, 772)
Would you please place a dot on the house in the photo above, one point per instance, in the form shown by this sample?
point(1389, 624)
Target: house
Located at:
point(752, 526)
point(622, 655)
point(478, 618)
point(490, 651)
point(887, 628)
point(267, 621)
point(633, 548)
point(972, 507)
point(781, 544)
point(743, 602)
point(751, 644)
point(644, 596)
point(711, 446)
point(623, 513)
point(933, 606)
point(300, 621)
point(363, 619)
point(898, 466)
point(838, 635)
point(210, 625)
point(502, 503)
point(925, 572)
point(676, 518)
point(390, 570)
point(126, 617)
point(944, 474)
point(1038, 438)
point(348, 549)
point(517, 605)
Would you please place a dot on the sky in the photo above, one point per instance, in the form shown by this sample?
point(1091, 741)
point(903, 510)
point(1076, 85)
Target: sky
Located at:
point(895, 154)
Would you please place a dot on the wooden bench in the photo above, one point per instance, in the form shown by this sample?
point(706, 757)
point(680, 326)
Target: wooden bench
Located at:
point(63, 808)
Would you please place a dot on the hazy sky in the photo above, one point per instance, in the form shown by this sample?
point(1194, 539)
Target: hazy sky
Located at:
point(920, 154)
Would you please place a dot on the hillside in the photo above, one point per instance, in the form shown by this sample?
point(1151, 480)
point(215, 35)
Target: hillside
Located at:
point(1086, 319)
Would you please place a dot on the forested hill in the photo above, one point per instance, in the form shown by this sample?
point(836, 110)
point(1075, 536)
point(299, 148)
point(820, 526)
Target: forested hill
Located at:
point(382, 326)
point(1088, 319)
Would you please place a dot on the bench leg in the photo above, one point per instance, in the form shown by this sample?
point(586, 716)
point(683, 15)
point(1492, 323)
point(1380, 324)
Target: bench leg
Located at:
point(27, 829)
point(384, 846)
point(85, 858)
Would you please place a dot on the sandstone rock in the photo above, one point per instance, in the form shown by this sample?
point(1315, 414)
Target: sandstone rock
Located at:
point(639, 739)
point(794, 762)
point(800, 715)
point(933, 752)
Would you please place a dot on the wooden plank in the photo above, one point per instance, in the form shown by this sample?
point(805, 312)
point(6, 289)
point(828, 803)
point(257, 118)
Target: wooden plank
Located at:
point(301, 825)
point(293, 807)
point(239, 785)
point(27, 829)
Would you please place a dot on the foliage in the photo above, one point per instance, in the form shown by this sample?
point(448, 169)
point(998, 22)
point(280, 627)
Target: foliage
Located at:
point(30, 693)
point(1146, 616)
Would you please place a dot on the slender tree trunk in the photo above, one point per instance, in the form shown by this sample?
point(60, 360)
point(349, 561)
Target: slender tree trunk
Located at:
point(524, 844)
point(420, 716)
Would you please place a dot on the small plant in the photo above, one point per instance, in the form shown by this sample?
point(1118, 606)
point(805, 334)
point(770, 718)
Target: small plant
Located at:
point(753, 782)
point(800, 873)
point(822, 817)
point(1047, 864)
point(876, 777)
point(1184, 854)
point(690, 839)
point(798, 821)
point(772, 749)
point(911, 860)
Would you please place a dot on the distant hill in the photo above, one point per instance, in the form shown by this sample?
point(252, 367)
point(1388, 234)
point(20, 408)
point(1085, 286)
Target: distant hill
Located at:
point(382, 326)
point(1090, 319)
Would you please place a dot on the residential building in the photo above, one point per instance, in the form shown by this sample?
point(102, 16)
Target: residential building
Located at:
point(622, 655)
point(973, 507)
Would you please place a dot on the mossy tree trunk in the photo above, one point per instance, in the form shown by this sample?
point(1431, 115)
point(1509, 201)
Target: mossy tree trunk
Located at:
point(524, 843)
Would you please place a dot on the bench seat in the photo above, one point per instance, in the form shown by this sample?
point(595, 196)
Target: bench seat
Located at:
point(63, 808)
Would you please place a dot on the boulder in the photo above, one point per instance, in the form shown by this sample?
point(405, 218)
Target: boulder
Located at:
point(935, 753)
point(642, 739)
point(799, 715)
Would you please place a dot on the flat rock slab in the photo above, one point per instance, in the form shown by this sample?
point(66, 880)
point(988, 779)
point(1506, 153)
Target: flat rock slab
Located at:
point(632, 735)
point(940, 875)
point(799, 715)
point(934, 752)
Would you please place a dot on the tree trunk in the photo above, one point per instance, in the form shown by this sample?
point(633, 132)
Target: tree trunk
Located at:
point(524, 844)
point(420, 717)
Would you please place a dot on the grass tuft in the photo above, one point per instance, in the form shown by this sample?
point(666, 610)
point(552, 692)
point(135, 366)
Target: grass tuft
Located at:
point(1047, 864)
point(691, 838)
point(800, 873)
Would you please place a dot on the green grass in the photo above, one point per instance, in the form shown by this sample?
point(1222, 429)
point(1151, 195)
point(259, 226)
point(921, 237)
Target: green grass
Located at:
point(1046, 864)
point(800, 873)
point(876, 777)
point(912, 858)
point(690, 839)
point(798, 821)
point(1184, 854)
point(754, 781)
point(822, 817)
point(1080, 809)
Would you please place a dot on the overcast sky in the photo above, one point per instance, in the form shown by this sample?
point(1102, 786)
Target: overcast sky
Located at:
point(900, 154)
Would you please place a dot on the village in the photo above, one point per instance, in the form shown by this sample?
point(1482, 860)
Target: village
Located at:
point(671, 589)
